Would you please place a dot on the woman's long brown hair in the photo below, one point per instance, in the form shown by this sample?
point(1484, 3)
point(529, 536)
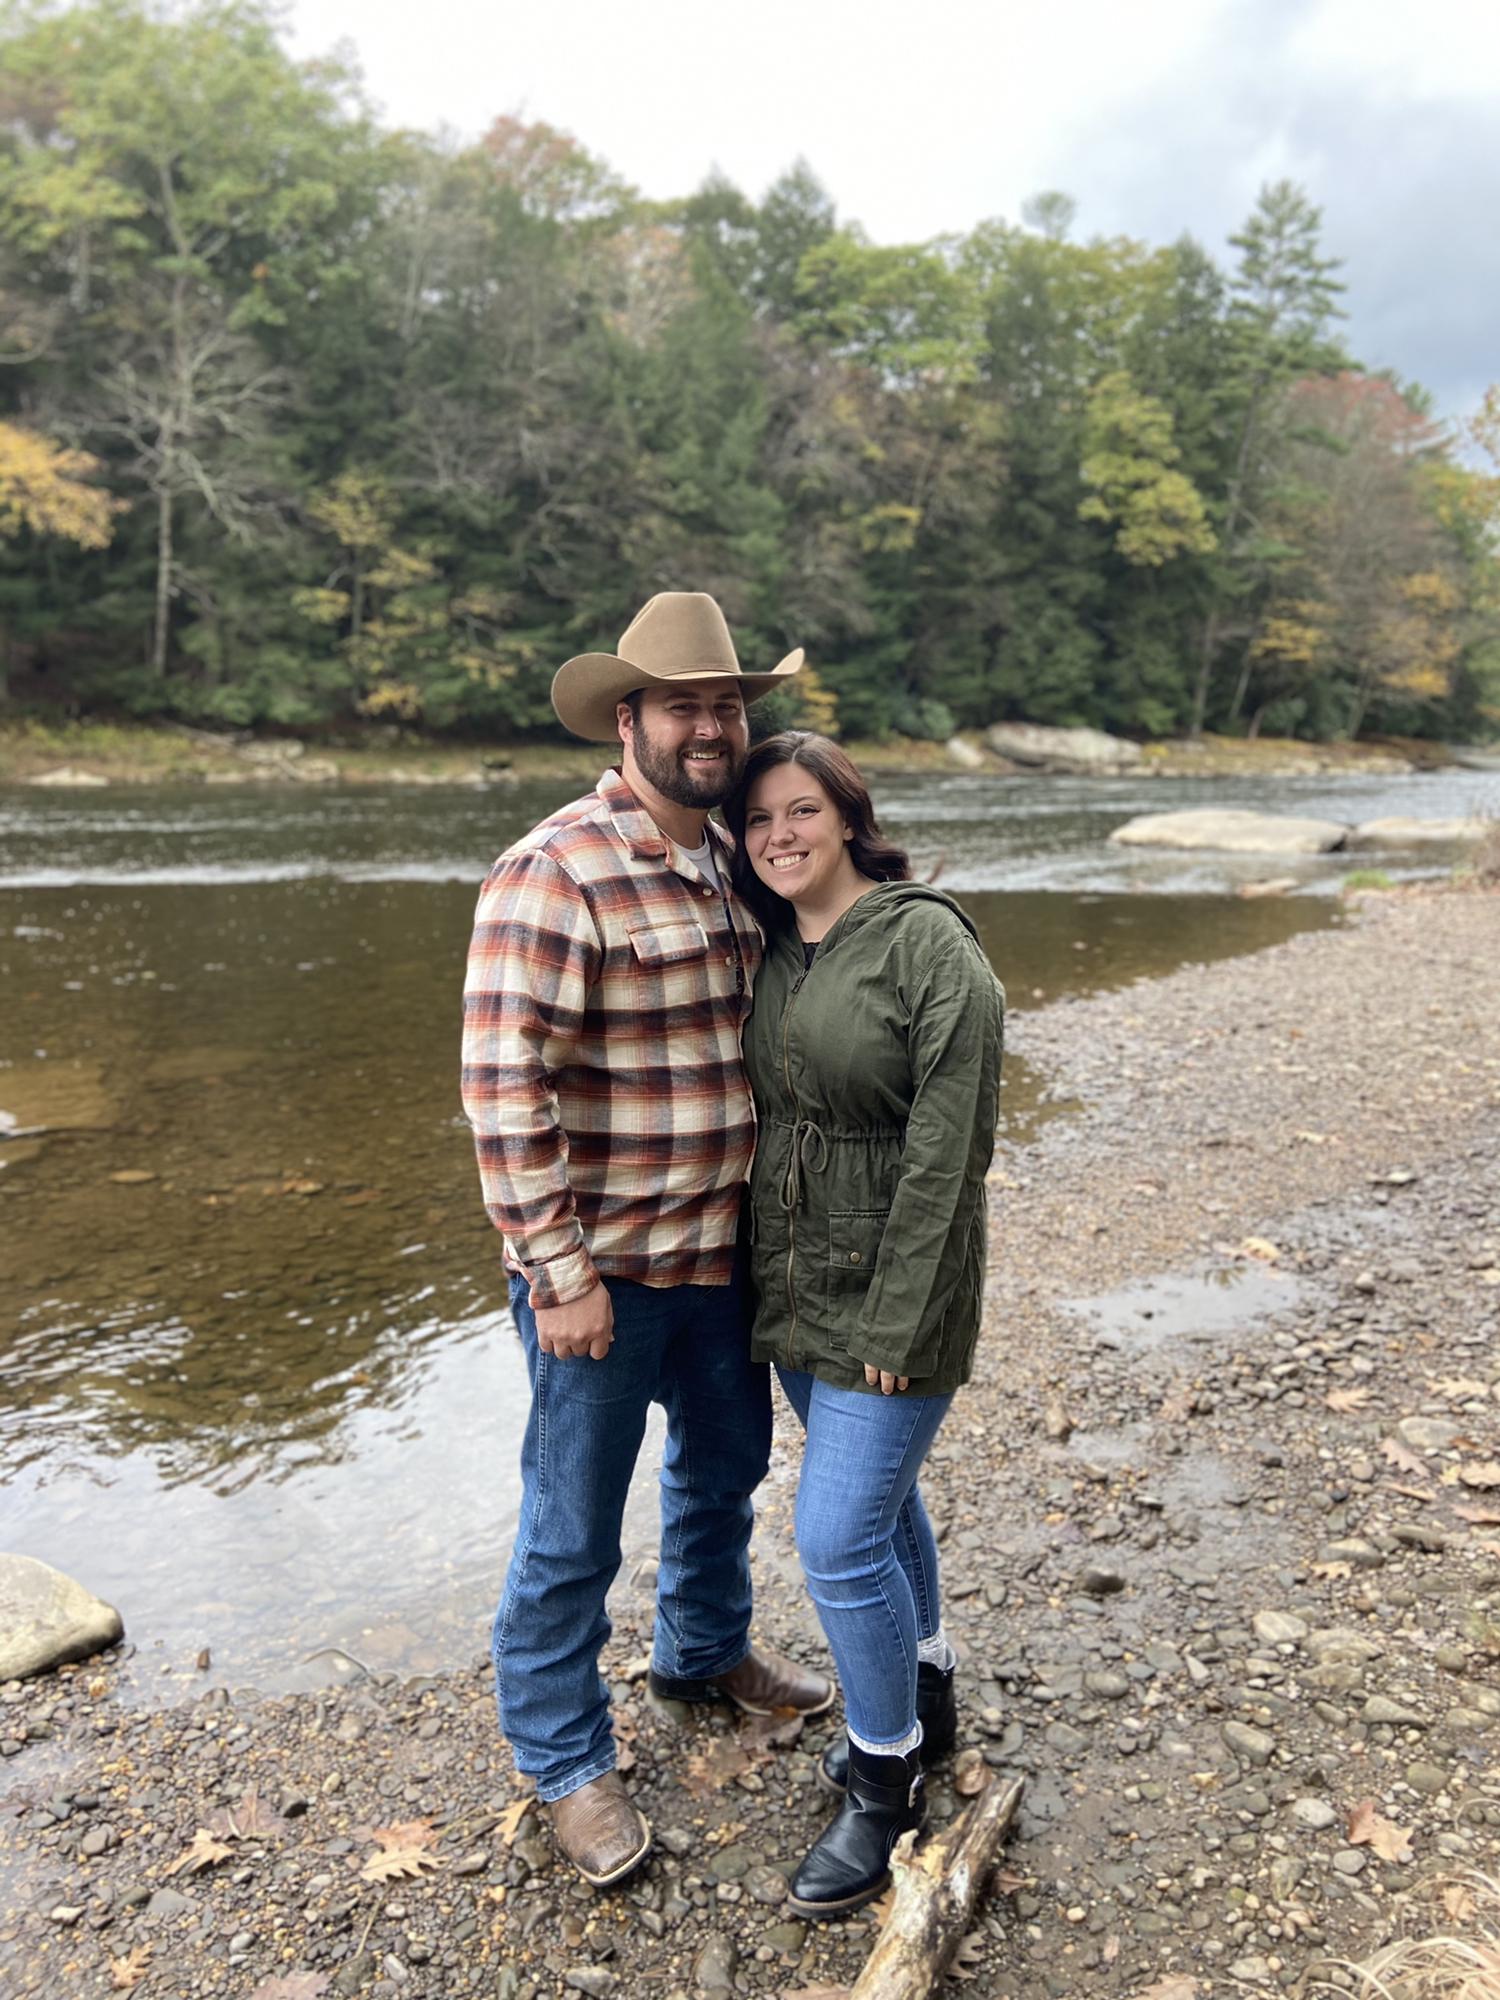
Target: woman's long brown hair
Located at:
point(876, 858)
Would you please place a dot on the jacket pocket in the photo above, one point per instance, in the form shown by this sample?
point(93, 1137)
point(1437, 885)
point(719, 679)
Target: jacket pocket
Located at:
point(854, 1236)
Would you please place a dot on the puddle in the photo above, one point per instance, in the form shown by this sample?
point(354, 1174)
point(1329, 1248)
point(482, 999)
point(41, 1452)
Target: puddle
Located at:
point(1197, 1306)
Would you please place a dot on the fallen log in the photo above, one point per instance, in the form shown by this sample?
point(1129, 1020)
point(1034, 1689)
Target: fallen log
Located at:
point(937, 1887)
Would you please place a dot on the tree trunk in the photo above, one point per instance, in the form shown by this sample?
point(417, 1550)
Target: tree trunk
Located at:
point(937, 1886)
point(163, 582)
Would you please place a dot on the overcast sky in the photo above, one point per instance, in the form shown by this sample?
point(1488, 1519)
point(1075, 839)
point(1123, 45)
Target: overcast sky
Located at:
point(1158, 117)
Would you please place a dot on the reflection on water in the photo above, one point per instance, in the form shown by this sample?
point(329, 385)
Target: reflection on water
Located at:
point(257, 1385)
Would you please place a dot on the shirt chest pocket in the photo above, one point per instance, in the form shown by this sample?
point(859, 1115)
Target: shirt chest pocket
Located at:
point(660, 945)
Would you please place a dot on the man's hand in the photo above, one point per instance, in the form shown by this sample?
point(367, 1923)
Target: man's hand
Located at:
point(887, 1382)
point(582, 1327)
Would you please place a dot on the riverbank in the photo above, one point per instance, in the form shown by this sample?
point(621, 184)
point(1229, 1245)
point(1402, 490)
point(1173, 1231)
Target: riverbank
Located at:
point(1220, 1520)
point(89, 753)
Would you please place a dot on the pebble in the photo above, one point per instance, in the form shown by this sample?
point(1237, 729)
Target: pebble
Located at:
point(1380, 1708)
point(1252, 1746)
point(1314, 1813)
point(1428, 1779)
point(715, 1966)
point(1279, 1628)
point(1098, 1581)
point(594, 1979)
point(1351, 1860)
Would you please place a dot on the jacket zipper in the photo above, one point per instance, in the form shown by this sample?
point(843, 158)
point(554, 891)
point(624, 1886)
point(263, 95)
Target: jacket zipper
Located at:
point(791, 1218)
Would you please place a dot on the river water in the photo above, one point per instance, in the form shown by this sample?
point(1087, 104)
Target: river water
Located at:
point(257, 1383)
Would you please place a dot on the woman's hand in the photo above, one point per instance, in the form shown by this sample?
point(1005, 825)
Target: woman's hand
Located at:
point(888, 1384)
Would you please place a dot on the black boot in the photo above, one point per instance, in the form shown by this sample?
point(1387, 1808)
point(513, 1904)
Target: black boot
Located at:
point(851, 1862)
point(937, 1711)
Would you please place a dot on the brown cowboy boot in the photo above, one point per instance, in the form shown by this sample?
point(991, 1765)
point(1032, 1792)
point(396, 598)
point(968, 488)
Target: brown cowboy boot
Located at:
point(760, 1684)
point(601, 1831)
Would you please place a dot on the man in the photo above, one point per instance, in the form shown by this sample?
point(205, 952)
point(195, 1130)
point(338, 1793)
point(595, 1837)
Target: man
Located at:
point(608, 980)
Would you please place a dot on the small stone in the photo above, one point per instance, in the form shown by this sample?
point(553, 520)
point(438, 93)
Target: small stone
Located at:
point(1428, 1779)
point(95, 1842)
point(1351, 1861)
point(1357, 1553)
point(1065, 1739)
point(1380, 1708)
point(1252, 1746)
point(1313, 1813)
point(1097, 1581)
point(1416, 1535)
point(1428, 1433)
point(66, 1914)
point(595, 1979)
point(1254, 1971)
point(1279, 1628)
point(787, 1938)
point(714, 1967)
point(1109, 1686)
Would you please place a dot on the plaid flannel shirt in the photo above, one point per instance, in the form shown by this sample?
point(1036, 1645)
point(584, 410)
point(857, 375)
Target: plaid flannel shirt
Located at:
point(607, 987)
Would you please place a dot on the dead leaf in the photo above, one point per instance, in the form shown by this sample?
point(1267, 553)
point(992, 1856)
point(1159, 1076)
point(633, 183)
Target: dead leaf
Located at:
point(1260, 1247)
point(1488, 1548)
point(965, 1961)
point(777, 1731)
point(1109, 1951)
point(202, 1853)
point(292, 1986)
point(625, 1758)
point(251, 1819)
point(394, 1864)
point(1458, 1902)
point(1486, 1474)
point(129, 1971)
point(1345, 1401)
point(403, 1851)
point(1478, 1513)
point(1006, 1881)
point(132, 1177)
point(295, 1184)
point(1422, 1493)
point(1366, 1828)
point(204, 1661)
point(970, 1774)
point(1177, 1986)
point(1460, 1389)
point(709, 1771)
point(511, 1818)
point(1403, 1457)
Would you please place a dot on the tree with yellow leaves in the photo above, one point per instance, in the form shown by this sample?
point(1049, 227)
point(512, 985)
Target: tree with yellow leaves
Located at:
point(46, 489)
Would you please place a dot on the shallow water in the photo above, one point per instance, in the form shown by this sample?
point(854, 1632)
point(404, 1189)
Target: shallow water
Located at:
point(262, 1393)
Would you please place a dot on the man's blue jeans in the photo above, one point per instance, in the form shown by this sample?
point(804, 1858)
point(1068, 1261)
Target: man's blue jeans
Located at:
point(866, 1543)
point(687, 1348)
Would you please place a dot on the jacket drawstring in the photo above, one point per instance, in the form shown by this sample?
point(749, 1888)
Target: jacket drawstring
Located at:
point(803, 1157)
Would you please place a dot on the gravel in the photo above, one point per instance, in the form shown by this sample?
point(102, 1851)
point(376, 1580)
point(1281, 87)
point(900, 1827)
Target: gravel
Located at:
point(1243, 1326)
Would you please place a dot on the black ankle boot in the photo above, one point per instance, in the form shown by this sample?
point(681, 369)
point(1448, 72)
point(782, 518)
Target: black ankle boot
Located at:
point(851, 1862)
point(937, 1711)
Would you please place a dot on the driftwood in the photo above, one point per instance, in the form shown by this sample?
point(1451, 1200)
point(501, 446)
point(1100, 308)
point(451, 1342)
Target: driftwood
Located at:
point(937, 1887)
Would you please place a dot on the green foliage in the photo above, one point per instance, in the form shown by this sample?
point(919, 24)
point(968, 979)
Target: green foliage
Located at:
point(374, 423)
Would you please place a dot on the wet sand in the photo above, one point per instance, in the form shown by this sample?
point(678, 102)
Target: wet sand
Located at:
point(1221, 1531)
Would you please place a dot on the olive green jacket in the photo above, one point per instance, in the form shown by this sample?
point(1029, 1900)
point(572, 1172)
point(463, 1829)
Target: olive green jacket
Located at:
point(876, 1076)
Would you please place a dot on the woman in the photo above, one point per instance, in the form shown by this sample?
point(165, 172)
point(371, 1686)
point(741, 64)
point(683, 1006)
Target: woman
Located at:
point(874, 1055)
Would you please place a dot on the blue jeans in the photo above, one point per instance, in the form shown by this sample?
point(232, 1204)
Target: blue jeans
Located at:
point(866, 1543)
point(687, 1348)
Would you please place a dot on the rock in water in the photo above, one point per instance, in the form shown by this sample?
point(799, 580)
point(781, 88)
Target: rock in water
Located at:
point(1077, 750)
point(1233, 832)
point(46, 1619)
point(1400, 832)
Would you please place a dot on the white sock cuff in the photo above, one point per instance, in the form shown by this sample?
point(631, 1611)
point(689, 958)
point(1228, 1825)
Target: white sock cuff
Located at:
point(937, 1652)
point(911, 1741)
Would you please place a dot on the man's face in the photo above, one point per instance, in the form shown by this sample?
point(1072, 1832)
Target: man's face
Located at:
point(689, 743)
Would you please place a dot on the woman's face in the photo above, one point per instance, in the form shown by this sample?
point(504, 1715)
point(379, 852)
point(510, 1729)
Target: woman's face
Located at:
point(795, 836)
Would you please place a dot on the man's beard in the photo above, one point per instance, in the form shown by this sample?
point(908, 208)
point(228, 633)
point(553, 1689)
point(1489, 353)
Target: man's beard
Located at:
point(662, 768)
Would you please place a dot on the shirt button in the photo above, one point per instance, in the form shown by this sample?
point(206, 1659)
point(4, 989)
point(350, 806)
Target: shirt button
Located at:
point(708, 892)
point(853, 1256)
point(729, 961)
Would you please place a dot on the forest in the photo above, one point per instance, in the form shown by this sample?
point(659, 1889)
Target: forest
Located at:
point(306, 422)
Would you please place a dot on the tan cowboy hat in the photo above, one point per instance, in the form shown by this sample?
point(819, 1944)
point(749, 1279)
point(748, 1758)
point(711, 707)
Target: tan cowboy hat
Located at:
point(678, 635)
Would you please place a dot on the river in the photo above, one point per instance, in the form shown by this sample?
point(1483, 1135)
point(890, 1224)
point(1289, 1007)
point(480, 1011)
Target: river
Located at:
point(257, 1383)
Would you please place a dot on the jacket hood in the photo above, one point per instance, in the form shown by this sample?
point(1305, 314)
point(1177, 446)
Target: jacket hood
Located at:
point(878, 905)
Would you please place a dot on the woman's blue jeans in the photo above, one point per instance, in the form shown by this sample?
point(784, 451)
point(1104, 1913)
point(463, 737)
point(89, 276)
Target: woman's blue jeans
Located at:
point(866, 1543)
point(686, 1347)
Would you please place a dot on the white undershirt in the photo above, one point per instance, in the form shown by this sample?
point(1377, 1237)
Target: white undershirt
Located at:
point(702, 858)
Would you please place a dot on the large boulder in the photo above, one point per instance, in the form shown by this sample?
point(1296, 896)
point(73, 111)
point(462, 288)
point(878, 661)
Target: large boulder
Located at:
point(964, 754)
point(1233, 832)
point(1415, 832)
point(1076, 751)
point(46, 1619)
point(67, 777)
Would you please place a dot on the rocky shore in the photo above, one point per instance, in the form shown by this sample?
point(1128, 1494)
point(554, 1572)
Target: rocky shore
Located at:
point(1221, 1529)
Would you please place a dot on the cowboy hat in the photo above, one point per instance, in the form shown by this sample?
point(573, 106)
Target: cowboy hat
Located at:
point(678, 635)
